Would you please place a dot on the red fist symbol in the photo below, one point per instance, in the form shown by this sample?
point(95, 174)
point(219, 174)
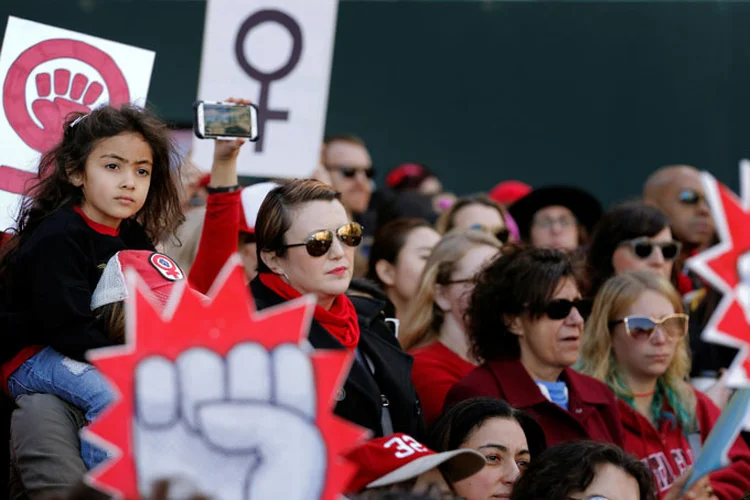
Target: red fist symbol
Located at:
point(52, 113)
point(77, 94)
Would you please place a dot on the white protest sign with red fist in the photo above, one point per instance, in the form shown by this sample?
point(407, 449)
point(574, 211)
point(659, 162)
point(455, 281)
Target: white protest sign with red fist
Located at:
point(45, 74)
point(276, 53)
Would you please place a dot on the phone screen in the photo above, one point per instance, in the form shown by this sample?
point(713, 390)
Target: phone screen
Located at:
point(230, 121)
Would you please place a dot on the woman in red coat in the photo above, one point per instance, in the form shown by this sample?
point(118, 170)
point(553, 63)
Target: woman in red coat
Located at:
point(525, 324)
point(636, 343)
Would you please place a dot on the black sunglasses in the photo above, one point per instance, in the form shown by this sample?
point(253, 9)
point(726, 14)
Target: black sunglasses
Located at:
point(501, 234)
point(351, 172)
point(560, 308)
point(690, 197)
point(319, 243)
point(643, 247)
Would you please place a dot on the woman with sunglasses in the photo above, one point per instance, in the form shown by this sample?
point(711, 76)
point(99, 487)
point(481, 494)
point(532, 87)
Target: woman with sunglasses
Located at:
point(635, 343)
point(434, 327)
point(306, 245)
point(478, 212)
point(525, 322)
point(632, 236)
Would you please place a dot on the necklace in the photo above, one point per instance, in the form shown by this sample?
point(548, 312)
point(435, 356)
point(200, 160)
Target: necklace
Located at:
point(644, 394)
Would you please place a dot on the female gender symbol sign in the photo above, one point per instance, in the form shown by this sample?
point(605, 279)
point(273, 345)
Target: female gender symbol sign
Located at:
point(265, 79)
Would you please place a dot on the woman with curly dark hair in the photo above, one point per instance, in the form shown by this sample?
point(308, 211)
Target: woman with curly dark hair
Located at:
point(585, 470)
point(525, 321)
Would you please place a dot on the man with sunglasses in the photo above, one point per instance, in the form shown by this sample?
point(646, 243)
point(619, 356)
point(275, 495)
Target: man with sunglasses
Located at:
point(348, 162)
point(677, 191)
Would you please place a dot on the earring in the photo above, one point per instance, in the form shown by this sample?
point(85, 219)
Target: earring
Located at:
point(286, 278)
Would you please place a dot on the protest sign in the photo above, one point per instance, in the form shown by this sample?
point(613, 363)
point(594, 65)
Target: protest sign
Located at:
point(277, 54)
point(232, 401)
point(726, 268)
point(46, 73)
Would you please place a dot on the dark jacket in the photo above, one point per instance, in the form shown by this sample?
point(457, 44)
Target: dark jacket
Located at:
point(593, 409)
point(363, 395)
point(46, 297)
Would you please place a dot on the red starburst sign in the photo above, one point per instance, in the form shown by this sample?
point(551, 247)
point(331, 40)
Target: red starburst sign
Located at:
point(233, 401)
point(726, 267)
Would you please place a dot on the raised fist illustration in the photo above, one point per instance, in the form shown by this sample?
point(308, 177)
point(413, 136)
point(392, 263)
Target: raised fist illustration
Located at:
point(236, 428)
point(76, 95)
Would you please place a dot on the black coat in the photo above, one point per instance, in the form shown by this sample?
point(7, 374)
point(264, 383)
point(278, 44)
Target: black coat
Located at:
point(361, 399)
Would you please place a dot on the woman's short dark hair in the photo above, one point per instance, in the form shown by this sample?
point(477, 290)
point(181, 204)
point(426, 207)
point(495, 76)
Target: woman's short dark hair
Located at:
point(571, 467)
point(521, 280)
point(275, 219)
point(624, 222)
point(455, 426)
point(388, 242)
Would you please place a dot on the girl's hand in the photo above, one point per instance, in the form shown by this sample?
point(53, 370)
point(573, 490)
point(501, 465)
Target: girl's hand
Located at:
point(224, 167)
point(700, 491)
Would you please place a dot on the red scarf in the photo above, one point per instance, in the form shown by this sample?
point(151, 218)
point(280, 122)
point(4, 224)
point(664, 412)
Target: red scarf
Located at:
point(340, 321)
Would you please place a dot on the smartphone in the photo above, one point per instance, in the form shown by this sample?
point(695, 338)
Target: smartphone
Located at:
point(225, 120)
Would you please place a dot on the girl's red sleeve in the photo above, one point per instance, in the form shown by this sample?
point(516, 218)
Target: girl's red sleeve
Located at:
point(218, 241)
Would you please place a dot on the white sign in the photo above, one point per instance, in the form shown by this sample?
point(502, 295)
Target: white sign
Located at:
point(277, 53)
point(47, 73)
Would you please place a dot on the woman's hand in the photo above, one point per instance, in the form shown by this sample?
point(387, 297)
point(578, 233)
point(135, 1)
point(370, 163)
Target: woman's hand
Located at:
point(701, 490)
point(224, 167)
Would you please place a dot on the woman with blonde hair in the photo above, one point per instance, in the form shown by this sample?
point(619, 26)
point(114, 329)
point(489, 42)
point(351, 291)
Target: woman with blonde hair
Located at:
point(433, 330)
point(635, 342)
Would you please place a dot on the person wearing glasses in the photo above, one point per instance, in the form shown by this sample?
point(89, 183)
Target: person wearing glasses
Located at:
point(348, 162)
point(433, 329)
point(635, 343)
point(560, 217)
point(478, 212)
point(630, 237)
point(306, 243)
point(585, 470)
point(677, 191)
point(525, 322)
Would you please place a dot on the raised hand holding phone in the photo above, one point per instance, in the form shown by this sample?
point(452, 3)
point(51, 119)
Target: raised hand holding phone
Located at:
point(230, 119)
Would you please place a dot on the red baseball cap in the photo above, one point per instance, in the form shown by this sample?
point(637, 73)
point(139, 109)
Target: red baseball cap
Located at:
point(158, 271)
point(400, 457)
point(251, 199)
point(508, 192)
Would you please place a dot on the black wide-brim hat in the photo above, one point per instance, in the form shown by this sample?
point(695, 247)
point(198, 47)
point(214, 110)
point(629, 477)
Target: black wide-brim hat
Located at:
point(586, 208)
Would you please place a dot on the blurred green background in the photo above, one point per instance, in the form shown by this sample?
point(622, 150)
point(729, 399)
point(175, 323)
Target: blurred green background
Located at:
point(596, 94)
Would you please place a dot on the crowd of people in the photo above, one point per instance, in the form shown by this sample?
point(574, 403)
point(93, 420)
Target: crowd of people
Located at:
point(519, 343)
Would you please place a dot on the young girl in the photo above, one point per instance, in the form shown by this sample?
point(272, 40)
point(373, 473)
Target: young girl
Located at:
point(110, 185)
point(635, 342)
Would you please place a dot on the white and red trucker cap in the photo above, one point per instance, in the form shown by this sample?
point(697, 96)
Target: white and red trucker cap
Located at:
point(400, 457)
point(251, 198)
point(158, 271)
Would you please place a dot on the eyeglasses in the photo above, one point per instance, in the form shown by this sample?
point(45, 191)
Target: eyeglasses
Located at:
point(595, 497)
point(319, 243)
point(642, 327)
point(501, 234)
point(643, 247)
point(564, 222)
point(690, 197)
point(351, 172)
point(560, 308)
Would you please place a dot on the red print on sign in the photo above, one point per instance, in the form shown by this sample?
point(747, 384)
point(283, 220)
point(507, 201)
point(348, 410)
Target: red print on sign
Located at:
point(57, 93)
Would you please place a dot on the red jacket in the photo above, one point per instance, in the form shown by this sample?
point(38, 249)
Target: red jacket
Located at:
point(436, 369)
point(593, 409)
point(667, 451)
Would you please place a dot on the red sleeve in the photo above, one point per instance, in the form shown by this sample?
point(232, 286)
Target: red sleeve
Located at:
point(732, 482)
point(218, 239)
